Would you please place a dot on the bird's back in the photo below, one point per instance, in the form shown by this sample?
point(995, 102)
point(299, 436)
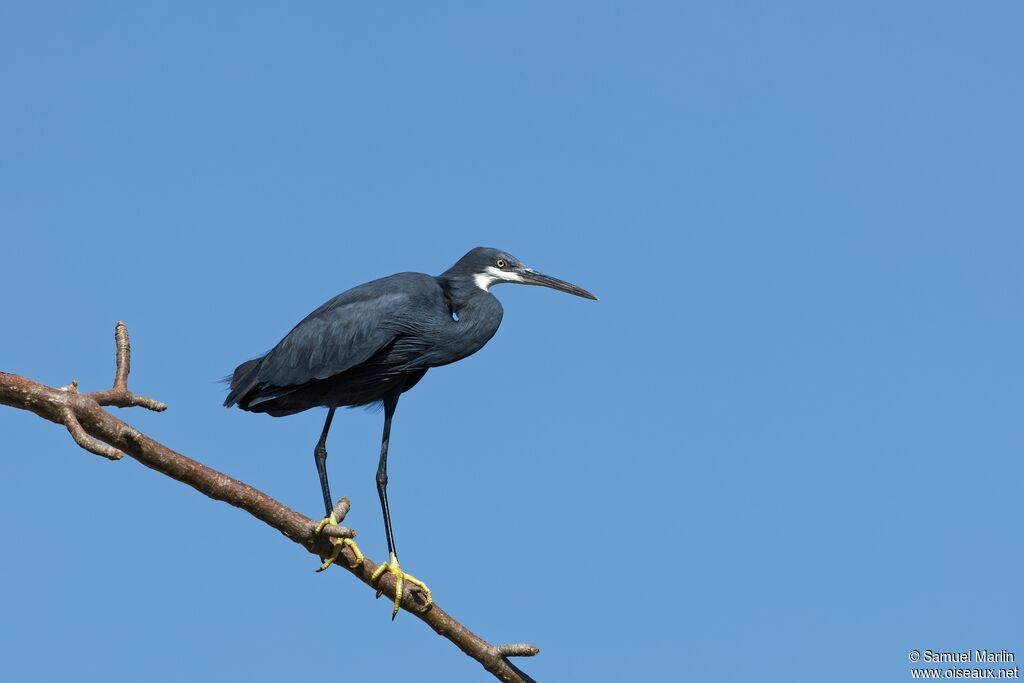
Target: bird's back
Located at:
point(350, 351)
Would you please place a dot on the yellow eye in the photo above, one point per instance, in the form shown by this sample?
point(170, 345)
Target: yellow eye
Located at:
point(501, 263)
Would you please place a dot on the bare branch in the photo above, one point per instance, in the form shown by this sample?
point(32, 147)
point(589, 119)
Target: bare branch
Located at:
point(335, 531)
point(124, 355)
point(84, 440)
point(341, 509)
point(518, 650)
point(98, 431)
point(119, 395)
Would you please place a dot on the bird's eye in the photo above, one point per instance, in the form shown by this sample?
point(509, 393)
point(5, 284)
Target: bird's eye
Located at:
point(500, 263)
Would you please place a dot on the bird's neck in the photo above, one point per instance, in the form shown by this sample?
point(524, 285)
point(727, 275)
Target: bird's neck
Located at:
point(476, 312)
point(465, 297)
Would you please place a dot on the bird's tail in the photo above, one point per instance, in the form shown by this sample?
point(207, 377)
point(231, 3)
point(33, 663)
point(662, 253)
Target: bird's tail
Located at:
point(242, 380)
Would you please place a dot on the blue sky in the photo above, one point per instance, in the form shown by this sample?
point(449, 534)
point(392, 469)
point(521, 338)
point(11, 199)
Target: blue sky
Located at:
point(784, 445)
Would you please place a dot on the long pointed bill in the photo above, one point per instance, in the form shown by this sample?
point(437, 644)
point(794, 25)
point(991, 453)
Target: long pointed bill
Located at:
point(532, 277)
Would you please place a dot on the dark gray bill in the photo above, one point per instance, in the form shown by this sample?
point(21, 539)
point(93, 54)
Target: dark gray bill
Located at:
point(532, 277)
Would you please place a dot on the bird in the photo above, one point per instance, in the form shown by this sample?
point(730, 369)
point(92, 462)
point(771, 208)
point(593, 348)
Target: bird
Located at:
point(369, 345)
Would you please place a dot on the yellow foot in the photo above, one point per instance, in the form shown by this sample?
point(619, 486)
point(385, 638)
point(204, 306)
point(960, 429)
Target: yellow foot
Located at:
point(338, 543)
point(400, 578)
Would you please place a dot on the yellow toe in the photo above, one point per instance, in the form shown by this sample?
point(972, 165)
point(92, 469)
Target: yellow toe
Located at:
point(401, 578)
point(338, 543)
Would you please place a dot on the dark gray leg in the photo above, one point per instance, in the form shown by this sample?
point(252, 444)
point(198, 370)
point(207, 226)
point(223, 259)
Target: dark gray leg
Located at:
point(320, 454)
point(392, 566)
point(390, 403)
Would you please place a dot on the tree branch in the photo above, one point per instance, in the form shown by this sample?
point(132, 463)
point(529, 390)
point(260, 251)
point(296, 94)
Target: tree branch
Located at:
point(99, 432)
point(119, 395)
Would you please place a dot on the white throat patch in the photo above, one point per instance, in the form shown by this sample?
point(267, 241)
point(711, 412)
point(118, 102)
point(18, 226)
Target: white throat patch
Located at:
point(492, 275)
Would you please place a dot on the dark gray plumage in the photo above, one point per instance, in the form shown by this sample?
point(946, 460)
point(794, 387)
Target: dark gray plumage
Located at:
point(377, 340)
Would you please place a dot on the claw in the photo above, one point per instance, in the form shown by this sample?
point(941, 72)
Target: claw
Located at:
point(400, 578)
point(338, 543)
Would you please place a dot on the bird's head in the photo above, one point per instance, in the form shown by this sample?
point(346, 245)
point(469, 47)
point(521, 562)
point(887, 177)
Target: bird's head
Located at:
point(487, 266)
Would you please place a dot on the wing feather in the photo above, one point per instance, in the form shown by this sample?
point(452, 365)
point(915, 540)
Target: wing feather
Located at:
point(342, 334)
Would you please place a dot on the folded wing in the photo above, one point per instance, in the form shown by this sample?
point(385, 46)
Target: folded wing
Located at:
point(343, 333)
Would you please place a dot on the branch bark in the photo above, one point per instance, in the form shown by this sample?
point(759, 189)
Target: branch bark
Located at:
point(99, 432)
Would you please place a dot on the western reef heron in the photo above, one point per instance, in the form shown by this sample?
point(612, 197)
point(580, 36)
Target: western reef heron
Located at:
point(373, 342)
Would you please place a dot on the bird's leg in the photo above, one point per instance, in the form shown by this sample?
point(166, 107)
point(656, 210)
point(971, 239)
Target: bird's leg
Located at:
point(390, 403)
point(320, 455)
